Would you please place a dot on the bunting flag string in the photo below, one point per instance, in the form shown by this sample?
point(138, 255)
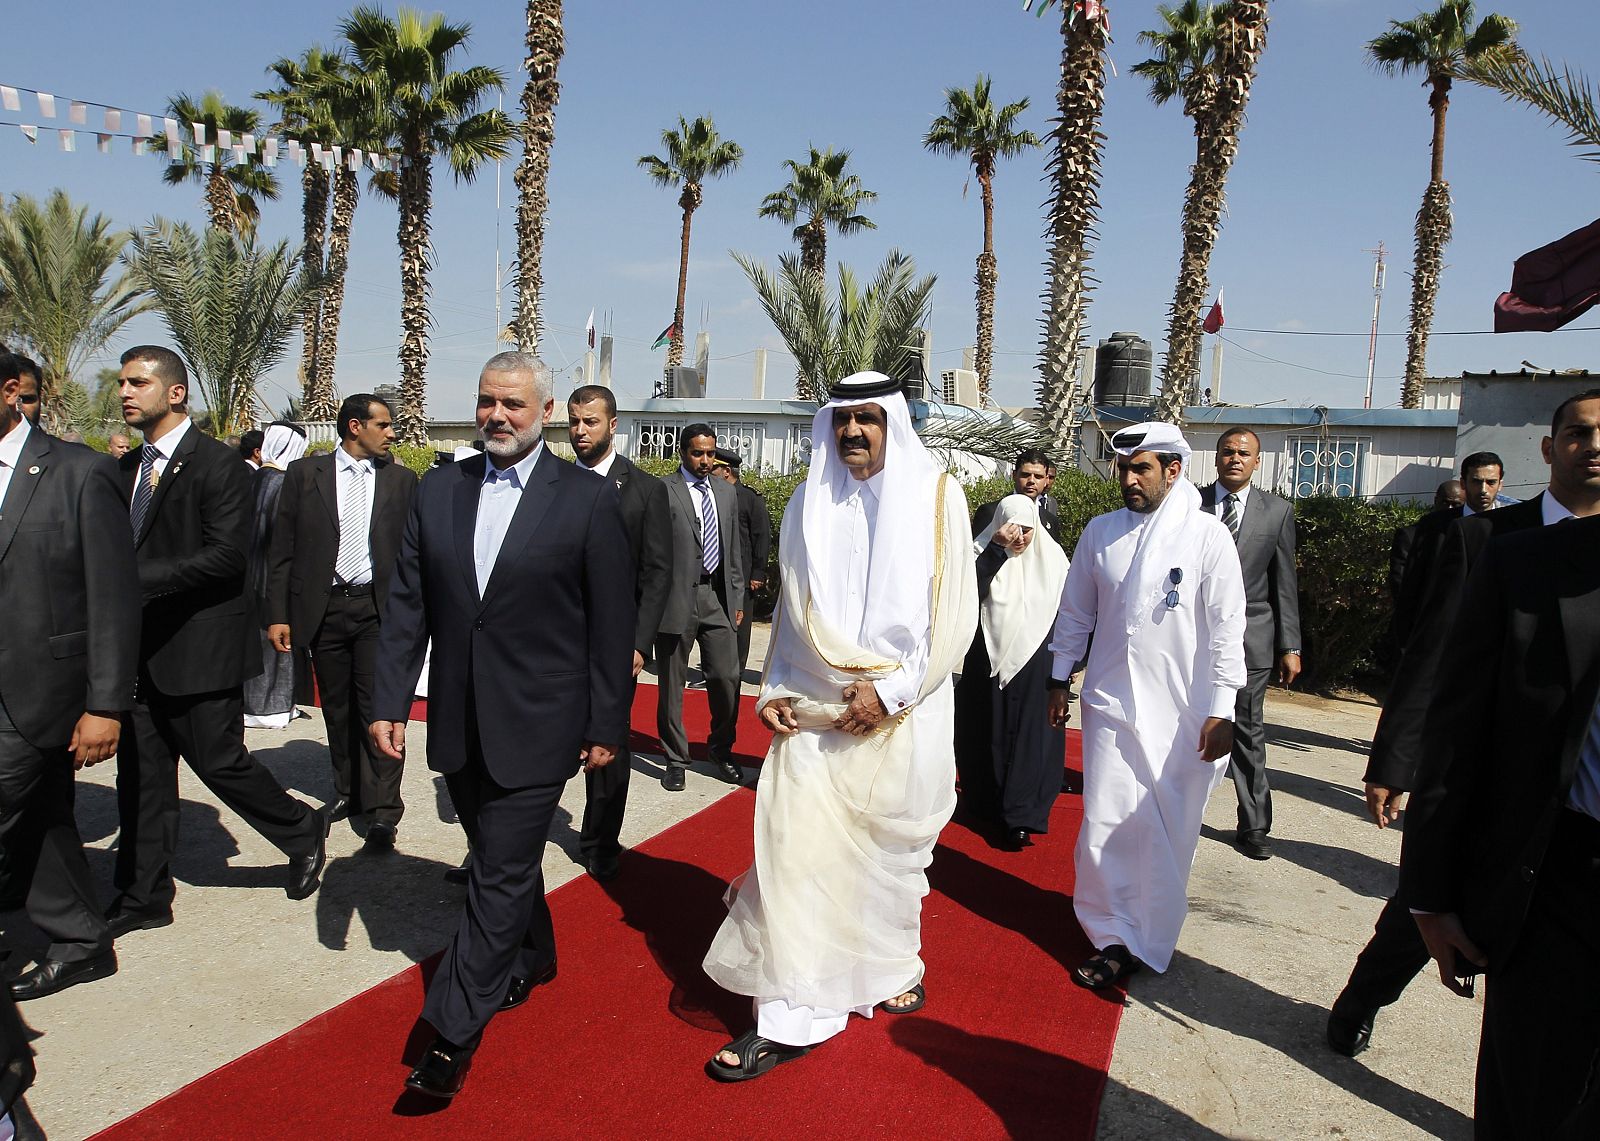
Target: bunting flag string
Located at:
point(245, 148)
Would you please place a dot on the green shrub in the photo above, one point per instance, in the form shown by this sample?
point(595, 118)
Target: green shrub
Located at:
point(418, 457)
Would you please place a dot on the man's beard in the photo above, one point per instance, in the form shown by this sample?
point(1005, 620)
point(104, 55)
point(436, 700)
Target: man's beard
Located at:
point(1151, 502)
point(520, 441)
point(595, 449)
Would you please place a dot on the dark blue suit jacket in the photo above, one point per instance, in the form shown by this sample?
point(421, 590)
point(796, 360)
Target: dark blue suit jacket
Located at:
point(544, 660)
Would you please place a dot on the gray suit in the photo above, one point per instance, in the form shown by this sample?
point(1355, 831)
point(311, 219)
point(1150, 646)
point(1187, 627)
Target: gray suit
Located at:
point(1272, 628)
point(701, 608)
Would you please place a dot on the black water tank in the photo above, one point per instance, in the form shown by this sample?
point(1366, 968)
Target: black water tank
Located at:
point(1123, 370)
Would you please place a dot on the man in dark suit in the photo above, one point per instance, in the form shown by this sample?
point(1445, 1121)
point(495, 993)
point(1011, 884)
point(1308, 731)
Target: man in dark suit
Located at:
point(15, 366)
point(1263, 528)
point(68, 647)
point(190, 501)
point(704, 606)
point(1031, 475)
point(1449, 494)
point(1501, 863)
point(755, 540)
point(516, 565)
point(592, 427)
point(340, 517)
point(1395, 953)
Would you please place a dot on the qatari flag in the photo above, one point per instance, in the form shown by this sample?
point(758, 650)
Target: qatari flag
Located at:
point(1552, 285)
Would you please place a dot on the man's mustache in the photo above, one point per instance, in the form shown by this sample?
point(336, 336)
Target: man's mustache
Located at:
point(854, 442)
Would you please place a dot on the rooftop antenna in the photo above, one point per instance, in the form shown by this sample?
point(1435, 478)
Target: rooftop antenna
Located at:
point(1378, 272)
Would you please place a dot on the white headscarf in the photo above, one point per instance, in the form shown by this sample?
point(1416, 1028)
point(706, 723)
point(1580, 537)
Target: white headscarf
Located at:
point(1024, 594)
point(902, 566)
point(281, 446)
point(1161, 543)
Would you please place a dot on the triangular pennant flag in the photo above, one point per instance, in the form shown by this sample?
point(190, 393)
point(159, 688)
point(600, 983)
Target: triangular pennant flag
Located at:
point(8, 98)
point(103, 143)
point(199, 130)
point(144, 127)
point(30, 132)
point(69, 138)
point(78, 112)
point(47, 105)
point(113, 120)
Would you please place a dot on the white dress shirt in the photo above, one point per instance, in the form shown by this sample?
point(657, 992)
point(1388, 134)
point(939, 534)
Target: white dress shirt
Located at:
point(603, 468)
point(11, 454)
point(168, 444)
point(498, 498)
point(351, 474)
point(1242, 494)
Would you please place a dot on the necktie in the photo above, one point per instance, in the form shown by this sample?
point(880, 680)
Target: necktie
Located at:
point(353, 527)
point(145, 490)
point(1230, 515)
point(710, 544)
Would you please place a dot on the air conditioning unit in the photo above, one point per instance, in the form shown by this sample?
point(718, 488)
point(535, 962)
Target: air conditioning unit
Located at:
point(685, 383)
point(960, 386)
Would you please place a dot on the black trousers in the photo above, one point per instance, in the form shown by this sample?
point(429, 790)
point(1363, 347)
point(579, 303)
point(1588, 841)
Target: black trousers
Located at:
point(1387, 964)
point(207, 730)
point(343, 654)
point(605, 803)
point(1249, 764)
point(1539, 1062)
point(42, 847)
point(505, 925)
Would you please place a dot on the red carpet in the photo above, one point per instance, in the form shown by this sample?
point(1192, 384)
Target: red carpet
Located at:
point(1006, 1046)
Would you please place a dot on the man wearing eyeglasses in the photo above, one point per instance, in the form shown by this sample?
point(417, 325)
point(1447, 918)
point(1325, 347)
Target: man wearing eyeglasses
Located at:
point(1158, 587)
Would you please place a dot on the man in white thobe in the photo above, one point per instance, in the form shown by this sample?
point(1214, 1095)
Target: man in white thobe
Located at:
point(1158, 585)
point(878, 608)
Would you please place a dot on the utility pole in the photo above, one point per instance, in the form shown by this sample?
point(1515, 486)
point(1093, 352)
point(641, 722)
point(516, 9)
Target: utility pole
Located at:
point(1377, 304)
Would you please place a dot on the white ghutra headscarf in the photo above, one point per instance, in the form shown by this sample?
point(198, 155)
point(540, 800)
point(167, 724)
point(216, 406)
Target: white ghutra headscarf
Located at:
point(1161, 544)
point(281, 445)
point(1024, 595)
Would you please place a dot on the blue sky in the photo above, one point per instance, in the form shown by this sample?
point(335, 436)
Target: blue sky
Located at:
point(1333, 159)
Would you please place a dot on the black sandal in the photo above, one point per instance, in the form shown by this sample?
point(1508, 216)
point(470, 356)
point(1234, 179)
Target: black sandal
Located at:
point(922, 997)
point(1106, 968)
point(757, 1055)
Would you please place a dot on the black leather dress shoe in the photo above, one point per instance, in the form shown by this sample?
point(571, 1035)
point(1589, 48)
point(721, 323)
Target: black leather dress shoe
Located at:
point(1350, 1029)
point(305, 872)
point(53, 975)
point(730, 772)
point(517, 993)
point(604, 869)
point(1252, 843)
point(380, 838)
point(460, 874)
point(672, 779)
point(121, 922)
point(1019, 838)
point(339, 808)
point(442, 1071)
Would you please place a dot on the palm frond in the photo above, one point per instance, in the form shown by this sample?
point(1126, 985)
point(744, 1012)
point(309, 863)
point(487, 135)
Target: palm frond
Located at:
point(1561, 95)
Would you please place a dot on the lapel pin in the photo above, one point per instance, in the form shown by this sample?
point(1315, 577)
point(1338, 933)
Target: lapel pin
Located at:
point(34, 470)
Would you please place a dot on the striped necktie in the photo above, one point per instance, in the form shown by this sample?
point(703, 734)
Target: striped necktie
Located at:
point(353, 526)
point(1230, 515)
point(710, 542)
point(144, 492)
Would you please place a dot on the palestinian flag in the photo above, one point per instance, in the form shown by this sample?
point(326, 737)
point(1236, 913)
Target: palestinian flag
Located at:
point(668, 335)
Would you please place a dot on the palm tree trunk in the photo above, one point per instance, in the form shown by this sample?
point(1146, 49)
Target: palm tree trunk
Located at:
point(546, 42)
point(1074, 166)
point(814, 247)
point(315, 210)
point(1439, 102)
point(988, 276)
point(1243, 37)
point(220, 202)
point(411, 424)
point(688, 200)
point(1433, 234)
point(322, 402)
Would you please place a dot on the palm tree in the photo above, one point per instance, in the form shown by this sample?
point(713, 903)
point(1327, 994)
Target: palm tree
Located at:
point(232, 189)
point(876, 328)
point(230, 307)
point(820, 191)
point(1206, 54)
point(695, 153)
point(1564, 96)
point(58, 296)
point(422, 109)
point(1435, 43)
point(305, 113)
point(974, 128)
point(1074, 166)
point(546, 42)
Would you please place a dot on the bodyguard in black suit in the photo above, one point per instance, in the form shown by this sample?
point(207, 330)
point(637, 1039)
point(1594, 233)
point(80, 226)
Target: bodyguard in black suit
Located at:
point(1031, 476)
point(190, 500)
point(592, 427)
point(1263, 528)
point(68, 645)
point(755, 541)
point(1502, 847)
point(1395, 953)
point(517, 566)
point(340, 517)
